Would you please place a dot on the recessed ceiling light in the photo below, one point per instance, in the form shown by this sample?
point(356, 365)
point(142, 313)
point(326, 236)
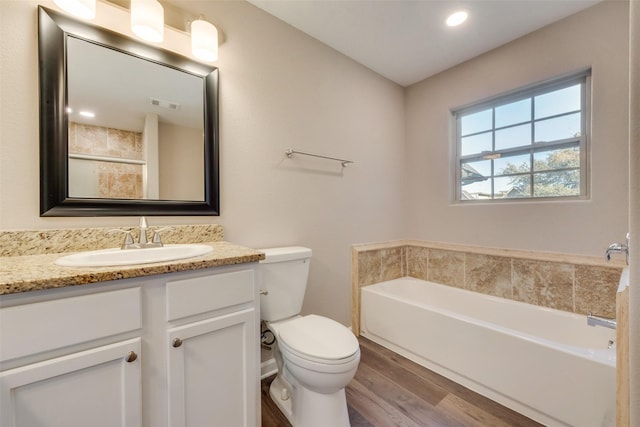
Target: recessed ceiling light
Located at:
point(87, 114)
point(457, 18)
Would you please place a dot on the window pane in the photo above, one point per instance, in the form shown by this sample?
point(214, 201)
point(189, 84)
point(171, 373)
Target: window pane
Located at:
point(476, 144)
point(556, 159)
point(512, 164)
point(512, 187)
point(556, 184)
point(516, 112)
point(476, 122)
point(558, 128)
point(558, 102)
point(522, 145)
point(477, 191)
point(516, 136)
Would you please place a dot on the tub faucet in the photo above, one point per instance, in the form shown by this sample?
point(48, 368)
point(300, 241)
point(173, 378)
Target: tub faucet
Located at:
point(618, 248)
point(601, 321)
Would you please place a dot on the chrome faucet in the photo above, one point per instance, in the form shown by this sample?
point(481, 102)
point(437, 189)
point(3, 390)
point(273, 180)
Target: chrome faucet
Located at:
point(143, 241)
point(142, 237)
point(618, 248)
point(601, 321)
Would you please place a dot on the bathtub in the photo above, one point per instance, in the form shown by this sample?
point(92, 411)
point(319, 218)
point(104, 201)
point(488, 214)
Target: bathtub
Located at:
point(544, 363)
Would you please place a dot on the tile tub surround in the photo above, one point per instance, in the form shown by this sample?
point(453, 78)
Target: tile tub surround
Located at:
point(34, 242)
point(565, 282)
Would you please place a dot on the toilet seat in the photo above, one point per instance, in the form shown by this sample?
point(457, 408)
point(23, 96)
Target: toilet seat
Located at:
point(318, 339)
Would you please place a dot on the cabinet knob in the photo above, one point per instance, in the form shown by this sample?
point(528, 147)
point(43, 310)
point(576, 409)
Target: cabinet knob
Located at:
point(132, 356)
point(177, 342)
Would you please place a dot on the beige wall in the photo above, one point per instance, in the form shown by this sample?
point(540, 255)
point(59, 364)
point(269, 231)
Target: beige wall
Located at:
point(278, 89)
point(634, 215)
point(597, 37)
point(180, 159)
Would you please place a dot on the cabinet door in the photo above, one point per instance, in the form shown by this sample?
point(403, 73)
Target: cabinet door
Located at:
point(97, 387)
point(213, 379)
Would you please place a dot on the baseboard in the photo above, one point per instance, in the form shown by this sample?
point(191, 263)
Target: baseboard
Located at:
point(268, 368)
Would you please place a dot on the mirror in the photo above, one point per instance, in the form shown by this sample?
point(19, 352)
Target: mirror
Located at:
point(125, 128)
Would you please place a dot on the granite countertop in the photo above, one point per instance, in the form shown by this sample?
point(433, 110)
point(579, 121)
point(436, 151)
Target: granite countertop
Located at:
point(37, 272)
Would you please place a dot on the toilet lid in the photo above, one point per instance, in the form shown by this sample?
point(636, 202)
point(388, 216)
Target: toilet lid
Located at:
point(318, 337)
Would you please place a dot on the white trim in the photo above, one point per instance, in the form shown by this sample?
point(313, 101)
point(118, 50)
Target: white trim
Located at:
point(106, 159)
point(268, 368)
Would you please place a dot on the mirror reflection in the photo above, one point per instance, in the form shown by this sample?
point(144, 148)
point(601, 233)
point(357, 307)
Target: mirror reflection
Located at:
point(132, 135)
point(125, 128)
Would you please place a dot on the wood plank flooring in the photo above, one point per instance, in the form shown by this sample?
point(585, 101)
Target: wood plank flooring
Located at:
point(390, 390)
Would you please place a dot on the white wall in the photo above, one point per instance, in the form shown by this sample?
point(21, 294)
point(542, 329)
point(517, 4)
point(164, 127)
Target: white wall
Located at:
point(278, 89)
point(597, 37)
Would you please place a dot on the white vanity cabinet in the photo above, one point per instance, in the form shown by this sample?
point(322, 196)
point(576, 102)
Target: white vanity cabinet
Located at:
point(169, 350)
point(213, 362)
point(91, 383)
point(97, 387)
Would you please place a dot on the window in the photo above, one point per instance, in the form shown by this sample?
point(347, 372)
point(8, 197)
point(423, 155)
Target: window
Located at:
point(530, 144)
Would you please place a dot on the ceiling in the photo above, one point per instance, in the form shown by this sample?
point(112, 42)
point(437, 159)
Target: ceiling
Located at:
point(407, 41)
point(125, 97)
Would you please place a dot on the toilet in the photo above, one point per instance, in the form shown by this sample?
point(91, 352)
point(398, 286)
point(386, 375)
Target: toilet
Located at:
point(316, 356)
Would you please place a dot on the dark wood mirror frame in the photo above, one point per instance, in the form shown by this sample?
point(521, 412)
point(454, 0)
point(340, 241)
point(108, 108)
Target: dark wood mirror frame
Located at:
point(53, 30)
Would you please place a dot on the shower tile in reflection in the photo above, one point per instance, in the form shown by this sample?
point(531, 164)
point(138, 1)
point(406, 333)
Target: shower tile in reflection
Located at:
point(446, 267)
point(548, 284)
point(596, 289)
point(122, 144)
point(488, 275)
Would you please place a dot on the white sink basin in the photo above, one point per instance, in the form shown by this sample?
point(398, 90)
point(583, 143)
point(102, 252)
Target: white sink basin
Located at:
point(117, 256)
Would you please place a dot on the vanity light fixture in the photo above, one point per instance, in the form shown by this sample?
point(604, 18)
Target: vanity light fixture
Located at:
point(85, 9)
point(147, 20)
point(87, 114)
point(204, 40)
point(457, 18)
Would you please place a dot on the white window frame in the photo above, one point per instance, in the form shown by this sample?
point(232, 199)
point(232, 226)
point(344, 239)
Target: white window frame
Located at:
point(583, 77)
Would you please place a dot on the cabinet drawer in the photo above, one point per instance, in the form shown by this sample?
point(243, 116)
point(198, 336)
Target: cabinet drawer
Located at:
point(201, 294)
point(34, 328)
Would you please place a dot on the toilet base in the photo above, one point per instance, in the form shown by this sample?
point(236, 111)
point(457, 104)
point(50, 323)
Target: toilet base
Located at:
point(276, 391)
point(312, 409)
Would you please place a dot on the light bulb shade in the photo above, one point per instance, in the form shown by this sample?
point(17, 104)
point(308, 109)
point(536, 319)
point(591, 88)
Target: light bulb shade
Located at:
point(147, 20)
point(85, 9)
point(204, 40)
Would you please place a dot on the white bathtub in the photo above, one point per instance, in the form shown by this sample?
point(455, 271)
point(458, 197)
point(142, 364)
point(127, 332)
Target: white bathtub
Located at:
point(546, 364)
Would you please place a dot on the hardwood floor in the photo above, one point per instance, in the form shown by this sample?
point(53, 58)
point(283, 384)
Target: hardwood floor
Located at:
point(390, 390)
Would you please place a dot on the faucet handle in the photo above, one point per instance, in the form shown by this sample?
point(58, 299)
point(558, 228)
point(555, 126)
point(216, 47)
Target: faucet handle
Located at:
point(156, 234)
point(128, 237)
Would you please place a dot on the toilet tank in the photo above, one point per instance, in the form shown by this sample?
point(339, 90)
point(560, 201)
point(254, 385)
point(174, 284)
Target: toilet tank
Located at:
point(283, 275)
